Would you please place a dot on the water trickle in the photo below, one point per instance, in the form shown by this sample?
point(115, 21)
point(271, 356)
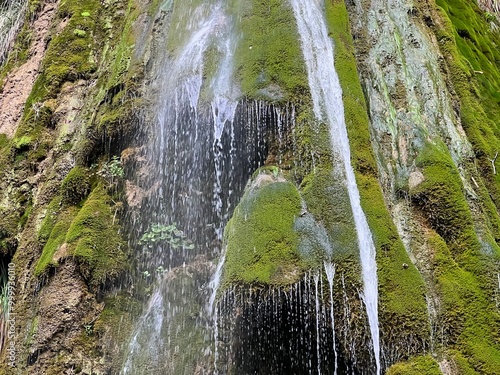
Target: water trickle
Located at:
point(318, 320)
point(213, 310)
point(223, 106)
point(330, 274)
point(151, 322)
point(326, 94)
point(277, 330)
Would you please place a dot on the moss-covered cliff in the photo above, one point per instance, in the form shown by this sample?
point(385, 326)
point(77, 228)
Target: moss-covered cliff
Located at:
point(70, 66)
point(421, 92)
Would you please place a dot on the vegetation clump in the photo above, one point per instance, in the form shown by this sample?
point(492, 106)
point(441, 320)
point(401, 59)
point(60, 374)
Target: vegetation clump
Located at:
point(170, 234)
point(423, 365)
point(90, 234)
point(76, 185)
point(269, 60)
point(262, 246)
point(94, 239)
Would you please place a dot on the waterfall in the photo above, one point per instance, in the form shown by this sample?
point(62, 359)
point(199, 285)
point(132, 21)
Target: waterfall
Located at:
point(191, 152)
point(276, 330)
point(326, 94)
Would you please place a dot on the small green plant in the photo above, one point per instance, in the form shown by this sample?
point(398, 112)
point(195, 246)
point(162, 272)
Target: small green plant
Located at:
point(112, 171)
point(170, 234)
point(89, 329)
point(23, 142)
point(80, 33)
point(85, 14)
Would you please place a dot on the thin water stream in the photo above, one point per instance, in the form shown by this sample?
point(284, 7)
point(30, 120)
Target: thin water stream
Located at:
point(328, 106)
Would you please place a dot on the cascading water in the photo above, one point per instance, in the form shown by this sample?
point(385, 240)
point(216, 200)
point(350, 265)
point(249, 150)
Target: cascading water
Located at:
point(205, 145)
point(276, 331)
point(186, 174)
point(207, 142)
point(11, 17)
point(326, 93)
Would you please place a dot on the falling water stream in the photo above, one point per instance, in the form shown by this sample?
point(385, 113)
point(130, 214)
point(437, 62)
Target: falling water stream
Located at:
point(330, 274)
point(207, 143)
point(326, 93)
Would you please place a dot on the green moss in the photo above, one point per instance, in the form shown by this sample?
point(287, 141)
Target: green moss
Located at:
point(76, 185)
point(261, 241)
point(94, 239)
point(70, 54)
point(441, 198)
point(50, 219)
point(269, 60)
point(57, 237)
point(80, 33)
point(119, 82)
point(22, 142)
point(470, 322)
point(328, 201)
point(473, 58)
point(424, 365)
point(5, 152)
point(9, 220)
point(90, 234)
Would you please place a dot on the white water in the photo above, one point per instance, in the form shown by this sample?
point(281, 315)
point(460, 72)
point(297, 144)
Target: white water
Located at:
point(318, 317)
point(184, 94)
point(151, 322)
point(224, 103)
point(11, 19)
point(326, 93)
point(330, 274)
point(212, 308)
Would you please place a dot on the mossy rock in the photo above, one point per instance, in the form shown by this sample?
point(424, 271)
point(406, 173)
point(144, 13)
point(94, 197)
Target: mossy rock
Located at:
point(441, 199)
point(76, 185)
point(402, 305)
point(424, 365)
point(94, 239)
point(470, 48)
point(262, 245)
point(57, 224)
point(69, 55)
point(90, 234)
point(268, 59)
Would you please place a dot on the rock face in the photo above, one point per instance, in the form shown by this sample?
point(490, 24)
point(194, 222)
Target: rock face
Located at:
point(80, 104)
